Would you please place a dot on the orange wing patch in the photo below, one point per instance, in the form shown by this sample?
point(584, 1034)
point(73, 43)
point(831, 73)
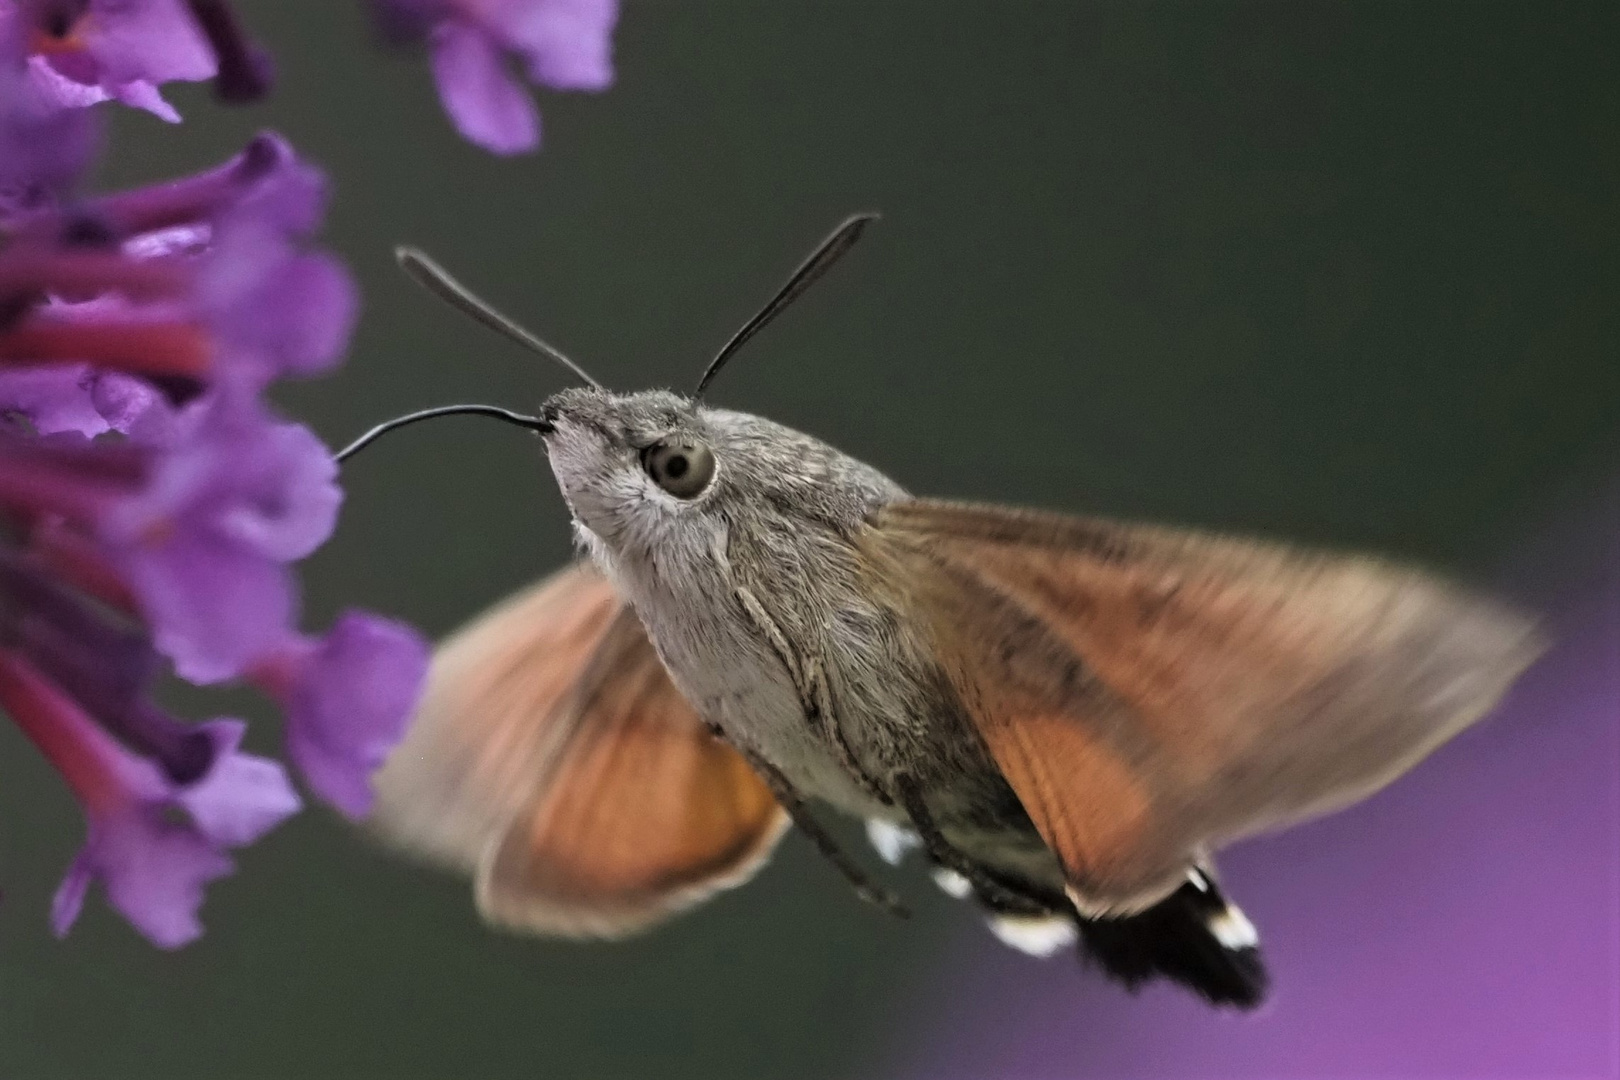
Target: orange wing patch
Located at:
point(648, 814)
point(554, 759)
point(1150, 693)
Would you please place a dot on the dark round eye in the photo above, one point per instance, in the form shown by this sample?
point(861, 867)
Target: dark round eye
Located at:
point(681, 467)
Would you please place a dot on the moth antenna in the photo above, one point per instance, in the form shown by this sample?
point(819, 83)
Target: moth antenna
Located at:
point(437, 280)
point(532, 423)
point(820, 261)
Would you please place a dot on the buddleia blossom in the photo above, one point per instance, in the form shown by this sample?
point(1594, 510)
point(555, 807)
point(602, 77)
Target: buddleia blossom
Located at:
point(472, 45)
point(80, 52)
point(153, 841)
point(344, 694)
point(153, 505)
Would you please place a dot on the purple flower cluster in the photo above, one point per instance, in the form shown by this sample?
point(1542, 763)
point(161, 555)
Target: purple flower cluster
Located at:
point(562, 44)
point(152, 503)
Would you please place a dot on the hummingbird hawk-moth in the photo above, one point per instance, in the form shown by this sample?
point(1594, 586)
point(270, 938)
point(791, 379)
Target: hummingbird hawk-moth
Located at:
point(1067, 716)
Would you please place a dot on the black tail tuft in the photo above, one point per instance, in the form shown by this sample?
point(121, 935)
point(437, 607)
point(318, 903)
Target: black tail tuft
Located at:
point(1194, 936)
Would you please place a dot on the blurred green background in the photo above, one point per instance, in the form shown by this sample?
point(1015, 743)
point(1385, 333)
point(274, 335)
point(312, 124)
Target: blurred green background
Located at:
point(1342, 272)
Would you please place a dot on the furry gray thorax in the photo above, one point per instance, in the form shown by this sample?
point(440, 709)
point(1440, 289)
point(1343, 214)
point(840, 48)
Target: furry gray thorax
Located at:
point(757, 597)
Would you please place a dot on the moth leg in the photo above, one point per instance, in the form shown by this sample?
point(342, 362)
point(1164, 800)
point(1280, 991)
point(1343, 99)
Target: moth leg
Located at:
point(815, 695)
point(792, 802)
point(995, 894)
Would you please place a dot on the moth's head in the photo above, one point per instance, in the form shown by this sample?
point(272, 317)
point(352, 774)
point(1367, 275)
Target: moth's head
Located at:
point(627, 462)
point(654, 470)
point(649, 467)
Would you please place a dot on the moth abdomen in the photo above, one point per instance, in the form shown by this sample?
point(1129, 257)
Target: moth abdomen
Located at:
point(1195, 937)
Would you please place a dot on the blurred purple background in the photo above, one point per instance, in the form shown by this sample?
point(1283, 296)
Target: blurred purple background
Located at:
point(1463, 923)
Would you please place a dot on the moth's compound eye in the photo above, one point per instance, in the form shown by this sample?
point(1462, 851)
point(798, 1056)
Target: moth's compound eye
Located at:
point(682, 467)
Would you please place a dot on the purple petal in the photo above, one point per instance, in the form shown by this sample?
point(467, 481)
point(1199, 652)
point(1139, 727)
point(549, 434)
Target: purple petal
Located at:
point(212, 606)
point(153, 864)
point(74, 397)
point(146, 97)
point(278, 310)
point(568, 44)
point(234, 497)
point(348, 706)
point(128, 404)
point(243, 796)
point(286, 501)
point(152, 40)
point(291, 196)
point(59, 88)
point(342, 781)
point(122, 50)
point(54, 397)
point(69, 899)
point(266, 486)
point(43, 149)
point(154, 871)
point(328, 304)
point(286, 193)
point(485, 103)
